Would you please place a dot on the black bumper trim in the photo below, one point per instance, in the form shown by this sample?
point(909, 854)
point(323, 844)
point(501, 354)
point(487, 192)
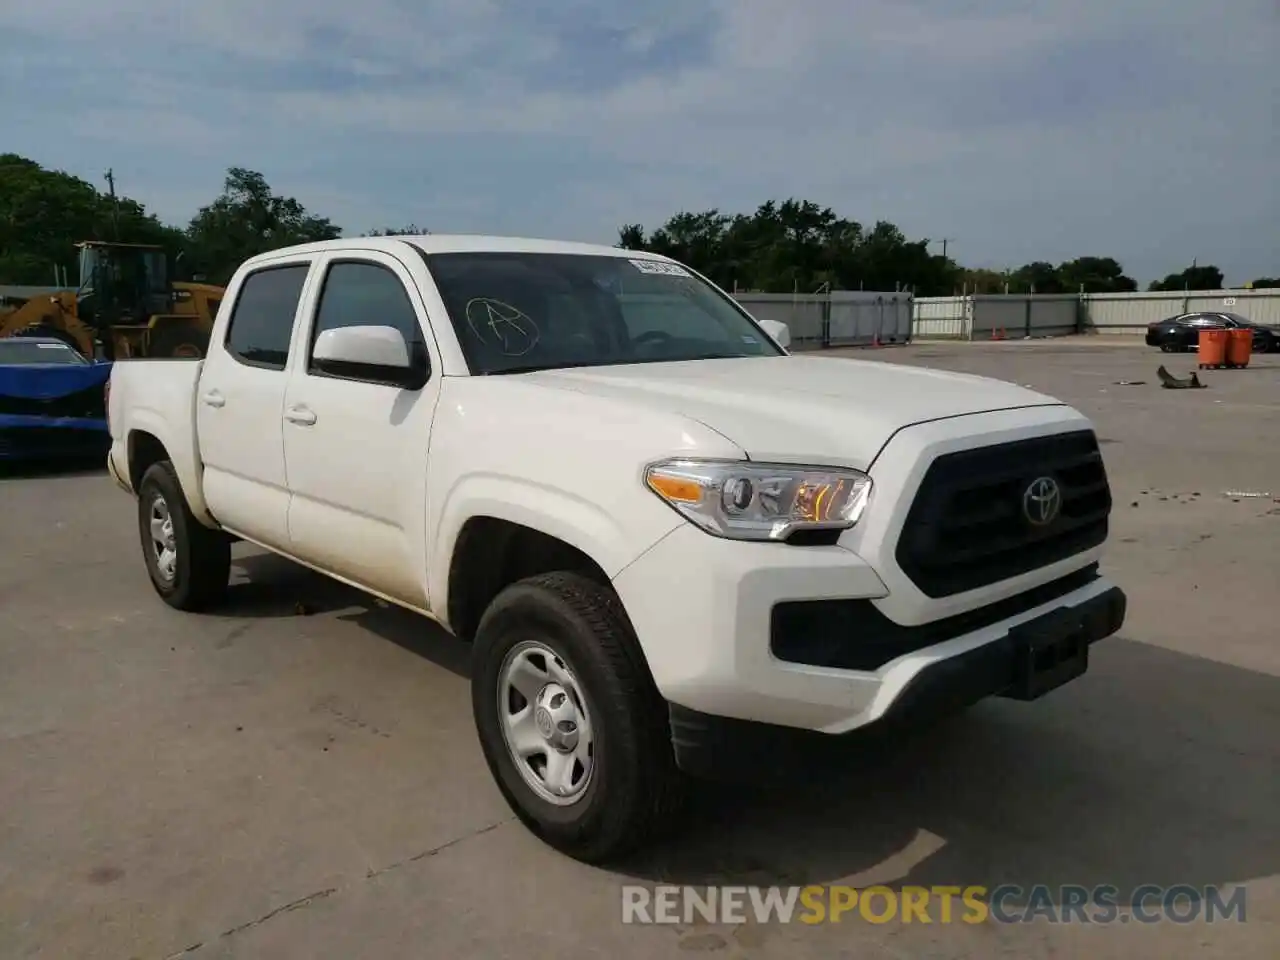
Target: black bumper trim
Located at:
point(722, 747)
point(855, 635)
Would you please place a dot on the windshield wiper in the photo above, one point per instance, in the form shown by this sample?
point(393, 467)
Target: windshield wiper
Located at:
point(535, 367)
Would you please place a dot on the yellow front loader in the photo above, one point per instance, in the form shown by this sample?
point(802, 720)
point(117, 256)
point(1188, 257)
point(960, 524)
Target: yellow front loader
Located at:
point(126, 305)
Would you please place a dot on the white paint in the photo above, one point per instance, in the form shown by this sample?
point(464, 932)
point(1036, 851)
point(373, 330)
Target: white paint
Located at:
point(372, 483)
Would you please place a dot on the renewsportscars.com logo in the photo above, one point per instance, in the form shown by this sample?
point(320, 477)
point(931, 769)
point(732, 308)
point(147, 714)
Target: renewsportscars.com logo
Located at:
point(1008, 903)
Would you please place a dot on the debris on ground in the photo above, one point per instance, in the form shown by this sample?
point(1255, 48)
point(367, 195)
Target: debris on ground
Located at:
point(1170, 382)
point(1247, 494)
point(1130, 383)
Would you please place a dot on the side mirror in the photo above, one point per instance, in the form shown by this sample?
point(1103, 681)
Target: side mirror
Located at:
point(379, 354)
point(779, 331)
point(367, 346)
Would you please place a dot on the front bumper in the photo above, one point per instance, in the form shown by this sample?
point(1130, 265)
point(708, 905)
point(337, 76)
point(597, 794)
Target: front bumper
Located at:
point(710, 640)
point(32, 437)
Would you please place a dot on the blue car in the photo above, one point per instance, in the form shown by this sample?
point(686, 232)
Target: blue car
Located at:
point(52, 401)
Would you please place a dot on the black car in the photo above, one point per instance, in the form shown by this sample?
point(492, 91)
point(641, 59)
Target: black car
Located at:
point(1182, 333)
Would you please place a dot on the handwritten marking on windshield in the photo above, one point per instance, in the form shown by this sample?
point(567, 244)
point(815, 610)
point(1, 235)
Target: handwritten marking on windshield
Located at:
point(506, 327)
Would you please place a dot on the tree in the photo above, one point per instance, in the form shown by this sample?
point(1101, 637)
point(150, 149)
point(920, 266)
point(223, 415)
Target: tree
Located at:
point(983, 281)
point(1095, 275)
point(248, 219)
point(1193, 278)
point(1263, 283)
point(44, 213)
point(795, 245)
point(1037, 277)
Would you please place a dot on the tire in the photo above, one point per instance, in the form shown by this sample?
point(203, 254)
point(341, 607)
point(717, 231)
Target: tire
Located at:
point(179, 341)
point(197, 575)
point(632, 792)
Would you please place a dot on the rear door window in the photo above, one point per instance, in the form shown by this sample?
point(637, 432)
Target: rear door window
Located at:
point(261, 326)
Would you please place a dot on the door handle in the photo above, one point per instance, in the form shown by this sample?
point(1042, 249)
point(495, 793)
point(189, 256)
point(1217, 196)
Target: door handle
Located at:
point(214, 399)
point(301, 416)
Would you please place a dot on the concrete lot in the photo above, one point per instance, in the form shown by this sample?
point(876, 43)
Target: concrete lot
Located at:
point(303, 781)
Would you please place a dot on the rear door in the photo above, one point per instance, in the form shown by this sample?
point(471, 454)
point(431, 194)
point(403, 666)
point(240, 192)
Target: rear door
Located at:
point(240, 404)
point(356, 447)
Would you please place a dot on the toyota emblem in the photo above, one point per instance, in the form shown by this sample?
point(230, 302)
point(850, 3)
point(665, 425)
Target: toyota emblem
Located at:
point(1042, 501)
point(542, 718)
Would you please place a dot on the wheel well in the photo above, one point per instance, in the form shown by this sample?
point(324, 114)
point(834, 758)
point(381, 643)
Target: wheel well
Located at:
point(492, 554)
point(144, 450)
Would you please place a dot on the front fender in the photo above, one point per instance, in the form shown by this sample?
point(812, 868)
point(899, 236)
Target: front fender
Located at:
point(611, 537)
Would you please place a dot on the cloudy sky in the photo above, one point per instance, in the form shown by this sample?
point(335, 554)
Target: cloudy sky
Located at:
point(1144, 129)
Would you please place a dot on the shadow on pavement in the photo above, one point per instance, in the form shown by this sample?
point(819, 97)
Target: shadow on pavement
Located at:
point(1154, 768)
point(265, 585)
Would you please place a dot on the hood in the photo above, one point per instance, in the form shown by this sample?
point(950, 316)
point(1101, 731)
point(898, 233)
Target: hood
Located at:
point(820, 410)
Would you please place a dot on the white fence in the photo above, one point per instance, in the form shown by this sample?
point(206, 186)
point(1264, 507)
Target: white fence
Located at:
point(1055, 315)
point(838, 319)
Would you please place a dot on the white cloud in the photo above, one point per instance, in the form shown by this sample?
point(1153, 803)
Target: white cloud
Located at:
point(1024, 130)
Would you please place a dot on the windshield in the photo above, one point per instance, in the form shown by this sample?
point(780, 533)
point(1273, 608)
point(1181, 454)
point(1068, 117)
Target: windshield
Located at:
point(18, 351)
point(515, 312)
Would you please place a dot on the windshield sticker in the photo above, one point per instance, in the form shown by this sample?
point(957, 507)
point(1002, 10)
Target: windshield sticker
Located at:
point(660, 268)
point(747, 338)
point(49, 346)
point(501, 325)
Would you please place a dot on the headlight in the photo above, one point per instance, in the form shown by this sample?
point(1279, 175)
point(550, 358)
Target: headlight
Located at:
point(760, 501)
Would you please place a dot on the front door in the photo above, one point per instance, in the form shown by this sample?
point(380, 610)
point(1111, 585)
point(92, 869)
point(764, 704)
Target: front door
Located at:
point(240, 402)
point(356, 449)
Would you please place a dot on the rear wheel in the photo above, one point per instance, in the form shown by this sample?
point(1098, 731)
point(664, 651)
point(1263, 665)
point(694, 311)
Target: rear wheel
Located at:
point(178, 341)
point(572, 727)
point(189, 564)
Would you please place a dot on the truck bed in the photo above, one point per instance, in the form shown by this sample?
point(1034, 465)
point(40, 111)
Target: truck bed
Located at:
point(155, 400)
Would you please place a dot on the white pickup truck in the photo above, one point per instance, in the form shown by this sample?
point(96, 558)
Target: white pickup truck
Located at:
point(673, 544)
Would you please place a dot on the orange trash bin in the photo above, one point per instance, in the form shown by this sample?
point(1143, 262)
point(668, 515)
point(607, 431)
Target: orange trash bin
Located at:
point(1239, 347)
point(1213, 348)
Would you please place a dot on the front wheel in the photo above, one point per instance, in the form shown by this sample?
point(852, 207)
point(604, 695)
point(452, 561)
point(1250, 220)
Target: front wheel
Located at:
point(573, 729)
point(189, 564)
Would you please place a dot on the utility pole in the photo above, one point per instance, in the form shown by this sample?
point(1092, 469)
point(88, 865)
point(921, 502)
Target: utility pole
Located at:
point(945, 241)
point(115, 217)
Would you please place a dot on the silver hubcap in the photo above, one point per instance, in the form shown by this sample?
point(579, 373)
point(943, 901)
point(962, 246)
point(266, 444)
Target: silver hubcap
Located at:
point(545, 723)
point(163, 544)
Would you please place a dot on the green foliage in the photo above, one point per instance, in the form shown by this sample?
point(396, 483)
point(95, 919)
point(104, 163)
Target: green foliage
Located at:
point(246, 220)
point(1192, 278)
point(1263, 283)
point(43, 213)
point(783, 247)
point(795, 246)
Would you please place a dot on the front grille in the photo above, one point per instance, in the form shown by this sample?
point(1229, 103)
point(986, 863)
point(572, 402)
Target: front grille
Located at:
point(89, 403)
point(967, 527)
